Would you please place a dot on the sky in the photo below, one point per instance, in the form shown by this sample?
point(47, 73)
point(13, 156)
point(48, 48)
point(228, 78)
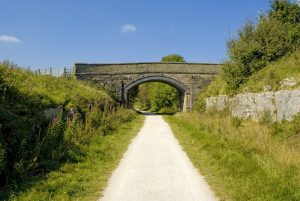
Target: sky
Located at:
point(60, 33)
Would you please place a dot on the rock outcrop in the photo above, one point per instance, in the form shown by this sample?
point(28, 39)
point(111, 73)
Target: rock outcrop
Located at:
point(278, 106)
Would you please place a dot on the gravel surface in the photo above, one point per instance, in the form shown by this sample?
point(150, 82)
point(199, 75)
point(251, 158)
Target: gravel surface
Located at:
point(155, 168)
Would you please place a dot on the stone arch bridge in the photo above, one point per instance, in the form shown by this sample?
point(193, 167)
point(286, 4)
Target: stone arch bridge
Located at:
point(188, 78)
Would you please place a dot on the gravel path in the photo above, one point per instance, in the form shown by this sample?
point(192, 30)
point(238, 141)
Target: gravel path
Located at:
point(155, 168)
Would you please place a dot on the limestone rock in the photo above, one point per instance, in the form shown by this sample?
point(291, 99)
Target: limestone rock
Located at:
point(219, 103)
point(253, 105)
point(279, 106)
point(287, 104)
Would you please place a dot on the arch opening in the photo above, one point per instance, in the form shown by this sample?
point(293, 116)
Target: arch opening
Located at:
point(179, 86)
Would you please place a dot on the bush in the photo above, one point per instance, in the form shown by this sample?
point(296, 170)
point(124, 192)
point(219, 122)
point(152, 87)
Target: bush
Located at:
point(287, 129)
point(172, 58)
point(157, 97)
point(276, 34)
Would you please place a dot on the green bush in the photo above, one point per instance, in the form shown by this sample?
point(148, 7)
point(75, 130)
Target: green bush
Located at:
point(276, 34)
point(262, 54)
point(172, 58)
point(287, 129)
point(157, 97)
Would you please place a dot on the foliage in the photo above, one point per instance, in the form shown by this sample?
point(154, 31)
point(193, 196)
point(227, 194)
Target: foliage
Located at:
point(276, 34)
point(157, 97)
point(273, 75)
point(89, 164)
point(172, 58)
point(30, 142)
point(262, 56)
point(242, 160)
point(286, 129)
point(215, 88)
point(142, 98)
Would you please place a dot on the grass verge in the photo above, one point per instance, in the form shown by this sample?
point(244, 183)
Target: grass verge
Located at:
point(283, 74)
point(241, 160)
point(85, 179)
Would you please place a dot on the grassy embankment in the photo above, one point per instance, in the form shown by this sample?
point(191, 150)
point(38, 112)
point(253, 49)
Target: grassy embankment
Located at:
point(58, 159)
point(85, 180)
point(271, 77)
point(241, 159)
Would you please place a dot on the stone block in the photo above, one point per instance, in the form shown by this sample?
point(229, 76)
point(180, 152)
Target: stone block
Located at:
point(287, 104)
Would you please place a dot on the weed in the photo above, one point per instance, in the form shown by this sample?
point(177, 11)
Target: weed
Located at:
point(266, 118)
point(236, 122)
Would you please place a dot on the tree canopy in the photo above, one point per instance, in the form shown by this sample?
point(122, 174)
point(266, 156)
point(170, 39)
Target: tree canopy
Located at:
point(172, 58)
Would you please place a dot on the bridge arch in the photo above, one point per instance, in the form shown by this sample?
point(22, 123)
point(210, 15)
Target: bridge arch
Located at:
point(182, 88)
point(116, 78)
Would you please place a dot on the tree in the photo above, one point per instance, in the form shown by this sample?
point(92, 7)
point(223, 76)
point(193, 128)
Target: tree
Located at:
point(172, 58)
point(276, 33)
point(159, 97)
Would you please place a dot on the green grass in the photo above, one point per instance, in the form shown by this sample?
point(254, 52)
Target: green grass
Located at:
point(271, 76)
point(86, 179)
point(50, 91)
point(241, 161)
point(215, 88)
point(25, 140)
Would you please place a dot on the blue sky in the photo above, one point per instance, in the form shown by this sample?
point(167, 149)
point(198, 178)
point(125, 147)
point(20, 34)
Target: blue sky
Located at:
point(58, 33)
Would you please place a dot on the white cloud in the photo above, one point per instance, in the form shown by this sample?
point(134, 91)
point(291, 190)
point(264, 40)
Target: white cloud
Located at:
point(9, 39)
point(126, 28)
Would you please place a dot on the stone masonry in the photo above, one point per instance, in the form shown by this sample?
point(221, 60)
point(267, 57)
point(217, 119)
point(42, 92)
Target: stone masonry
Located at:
point(188, 78)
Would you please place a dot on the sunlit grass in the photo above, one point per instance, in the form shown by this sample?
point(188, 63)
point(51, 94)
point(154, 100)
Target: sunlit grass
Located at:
point(274, 74)
point(270, 77)
point(241, 161)
point(52, 91)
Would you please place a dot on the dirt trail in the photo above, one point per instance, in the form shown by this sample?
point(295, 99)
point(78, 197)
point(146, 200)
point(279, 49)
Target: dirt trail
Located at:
point(155, 168)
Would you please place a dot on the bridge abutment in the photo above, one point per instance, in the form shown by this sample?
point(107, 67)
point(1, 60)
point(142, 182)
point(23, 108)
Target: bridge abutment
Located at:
point(187, 102)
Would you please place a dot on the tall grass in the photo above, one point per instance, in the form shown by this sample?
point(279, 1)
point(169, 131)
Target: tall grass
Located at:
point(242, 160)
point(273, 75)
point(98, 151)
point(32, 144)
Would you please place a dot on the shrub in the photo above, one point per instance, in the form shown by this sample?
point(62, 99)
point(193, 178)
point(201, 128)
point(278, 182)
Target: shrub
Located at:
point(157, 97)
point(287, 129)
point(172, 58)
point(276, 34)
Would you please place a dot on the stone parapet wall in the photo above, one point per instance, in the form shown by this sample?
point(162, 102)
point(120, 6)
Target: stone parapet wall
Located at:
point(279, 105)
point(154, 67)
